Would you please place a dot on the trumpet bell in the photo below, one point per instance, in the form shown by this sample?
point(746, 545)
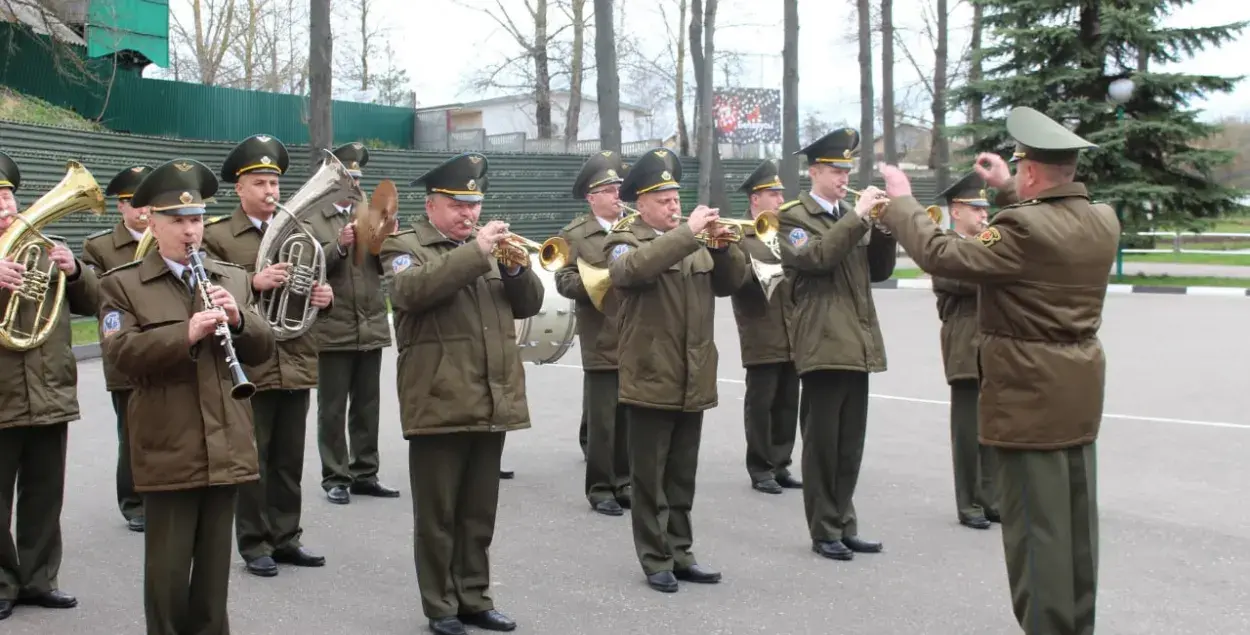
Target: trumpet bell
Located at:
point(935, 213)
point(554, 253)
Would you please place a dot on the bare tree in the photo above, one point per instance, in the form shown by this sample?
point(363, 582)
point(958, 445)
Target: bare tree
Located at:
point(683, 133)
point(320, 56)
point(887, 82)
point(608, 85)
point(790, 99)
point(575, 10)
point(208, 36)
point(703, 56)
point(940, 151)
point(865, 92)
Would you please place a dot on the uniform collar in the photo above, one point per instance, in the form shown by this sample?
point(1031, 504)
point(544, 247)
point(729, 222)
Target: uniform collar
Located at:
point(122, 236)
point(155, 265)
point(428, 234)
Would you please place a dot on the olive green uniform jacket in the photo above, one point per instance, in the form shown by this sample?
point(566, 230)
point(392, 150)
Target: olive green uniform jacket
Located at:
point(957, 308)
point(185, 429)
point(357, 321)
point(1042, 266)
point(833, 263)
point(764, 324)
point(459, 366)
point(103, 251)
point(668, 285)
point(596, 330)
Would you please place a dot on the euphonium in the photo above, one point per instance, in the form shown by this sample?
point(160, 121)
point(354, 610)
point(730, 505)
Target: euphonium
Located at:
point(23, 242)
point(288, 308)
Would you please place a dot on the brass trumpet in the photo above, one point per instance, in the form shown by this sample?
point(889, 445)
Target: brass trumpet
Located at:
point(933, 211)
point(765, 226)
point(514, 250)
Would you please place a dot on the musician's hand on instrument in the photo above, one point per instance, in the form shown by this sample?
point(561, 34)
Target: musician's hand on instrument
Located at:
point(896, 182)
point(322, 296)
point(491, 234)
point(870, 198)
point(719, 235)
point(993, 169)
point(701, 217)
point(11, 274)
point(64, 259)
point(203, 323)
point(347, 237)
point(271, 277)
point(224, 301)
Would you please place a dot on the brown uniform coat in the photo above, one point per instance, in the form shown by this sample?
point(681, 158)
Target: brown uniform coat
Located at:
point(103, 251)
point(596, 331)
point(185, 429)
point(668, 285)
point(459, 367)
point(40, 386)
point(957, 308)
point(1042, 266)
point(835, 318)
point(234, 239)
point(357, 321)
point(764, 325)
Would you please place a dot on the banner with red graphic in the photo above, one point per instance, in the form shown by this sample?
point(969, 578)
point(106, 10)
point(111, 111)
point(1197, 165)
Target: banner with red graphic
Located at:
point(747, 115)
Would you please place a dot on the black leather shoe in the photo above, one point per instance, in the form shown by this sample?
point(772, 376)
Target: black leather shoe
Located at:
point(768, 486)
point(789, 482)
point(664, 582)
point(374, 488)
point(506, 474)
point(608, 508)
point(299, 556)
point(447, 626)
point(625, 497)
point(50, 600)
point(6, 608)
point(263, 566)
point(136, 524)
point(491, 620)
point(832, 549)
point(338, 495)
point(975, 523)
point(697, 573)
point(861, 546)
point(993, 517)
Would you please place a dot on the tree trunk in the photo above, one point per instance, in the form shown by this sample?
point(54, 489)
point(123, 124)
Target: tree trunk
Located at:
point(609, 85)
point(320, 54)
point(939, 153)
point(974, 69)
point(702, 53)
point(790, 100)
point(542, 72)
point(683, 132)
point(364, 44)
point(865, 95)
point(887, 82)
point(571, 124)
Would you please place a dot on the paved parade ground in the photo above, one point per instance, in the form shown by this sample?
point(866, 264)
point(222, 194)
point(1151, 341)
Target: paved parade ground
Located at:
point(1173, 474)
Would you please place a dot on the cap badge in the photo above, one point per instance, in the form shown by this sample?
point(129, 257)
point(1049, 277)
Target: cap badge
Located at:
point(186, 198)
point(137, 169)
point(357, 145)
point(475, 159)
point(472, 185)
point(265, 161)
point(606, 153)
point(611, 173)
point(846, 153)
point(182, 166)
point(665, 176)
point(263, 138)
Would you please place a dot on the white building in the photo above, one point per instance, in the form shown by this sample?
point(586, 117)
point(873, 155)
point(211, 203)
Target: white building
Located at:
point(514, 115)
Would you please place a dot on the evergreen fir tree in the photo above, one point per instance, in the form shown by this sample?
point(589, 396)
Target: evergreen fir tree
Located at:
point(1060, 56)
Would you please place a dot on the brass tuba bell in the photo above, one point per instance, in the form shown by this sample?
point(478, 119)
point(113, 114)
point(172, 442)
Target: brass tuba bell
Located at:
point(24, 242)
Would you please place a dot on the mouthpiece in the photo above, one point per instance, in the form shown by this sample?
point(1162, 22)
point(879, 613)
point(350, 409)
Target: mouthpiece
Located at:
point(270, 200)
point(467, 223)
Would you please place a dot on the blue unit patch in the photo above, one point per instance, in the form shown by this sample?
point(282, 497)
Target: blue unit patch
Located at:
point(401, 262)
point(111, 324)
point(798, 237)
point(619, 251)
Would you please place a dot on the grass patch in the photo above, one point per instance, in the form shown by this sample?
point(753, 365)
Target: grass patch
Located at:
point(1236, 260)
point(1157, 281)
point(85, 331)
point(15, 106)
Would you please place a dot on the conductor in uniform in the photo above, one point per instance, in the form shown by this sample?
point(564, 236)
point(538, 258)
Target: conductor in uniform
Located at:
point(39, 393)
point(607, 446)
point(461, 385)
point(267, 521)
point(833, 254)
point(351, 336)
point(667, 282)
point(771, 406)
point(957, 308)
point(1042, 267)
point(101, 252)
point(192, 443)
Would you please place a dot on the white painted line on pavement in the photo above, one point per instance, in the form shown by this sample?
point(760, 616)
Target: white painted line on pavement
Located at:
point(942, 402)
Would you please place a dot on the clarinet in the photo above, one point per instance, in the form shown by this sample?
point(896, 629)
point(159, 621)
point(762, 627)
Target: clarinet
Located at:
point(243, 388)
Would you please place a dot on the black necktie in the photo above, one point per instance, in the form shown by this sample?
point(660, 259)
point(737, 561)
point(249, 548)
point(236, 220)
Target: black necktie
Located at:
point(264, 226)
point(188, 280)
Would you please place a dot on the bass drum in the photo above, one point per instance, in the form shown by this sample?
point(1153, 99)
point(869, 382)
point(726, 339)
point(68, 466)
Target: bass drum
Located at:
point(547, 336)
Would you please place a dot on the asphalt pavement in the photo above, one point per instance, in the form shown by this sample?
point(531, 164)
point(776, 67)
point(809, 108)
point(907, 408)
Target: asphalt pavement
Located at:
point(1155, 269)
point(1173, 477)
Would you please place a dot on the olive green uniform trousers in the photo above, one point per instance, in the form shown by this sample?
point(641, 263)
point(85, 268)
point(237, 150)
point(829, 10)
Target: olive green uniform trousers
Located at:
point(348, 382)
point(834, 412)
point(607, 443)
point(1049, 507)
point(186, 563)
point(455, 494)
point(975, 492)
point(32, 464)
point(771, 417)
point(663, 462)
point(128, 501)
point(267, 515)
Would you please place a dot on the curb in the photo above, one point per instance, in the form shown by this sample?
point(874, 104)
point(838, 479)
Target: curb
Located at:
point(1236, 292)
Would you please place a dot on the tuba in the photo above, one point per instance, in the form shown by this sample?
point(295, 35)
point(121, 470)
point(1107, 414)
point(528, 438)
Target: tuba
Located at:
point(288, 308)
point(23, 242)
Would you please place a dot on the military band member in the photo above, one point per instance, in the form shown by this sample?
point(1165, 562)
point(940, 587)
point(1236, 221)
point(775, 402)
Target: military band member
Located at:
point(193, 443)
point(771, 405)
point(267, 518)
point(101, 252)
point(1042, 265)
point(461, 386)
point(833, 255)
point(957, 308)
point(667, 284)
point(607, 443)
point(39, 390)
point(351, 337)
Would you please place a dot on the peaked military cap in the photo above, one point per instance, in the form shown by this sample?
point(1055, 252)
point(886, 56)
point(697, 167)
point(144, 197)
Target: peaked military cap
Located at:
point(602, 168)
point(354, 156)
point(462, 177)
point(969, 190)
point(176, 188)
point(838, 148)
point(124, 184)
point(257, 154)
point(1042, 139)
point(658, 170)
point(10, 176)
point(765, 177)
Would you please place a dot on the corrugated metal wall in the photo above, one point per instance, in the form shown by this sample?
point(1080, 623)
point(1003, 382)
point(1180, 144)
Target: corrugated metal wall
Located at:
point(531, 191)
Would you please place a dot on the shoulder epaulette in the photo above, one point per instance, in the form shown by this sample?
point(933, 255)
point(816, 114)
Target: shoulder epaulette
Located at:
point(625, 224)
point(56, 238)
point(575, 223)
point(788, 204)
point(229, 264)
point(1031, 201)
point(128, 265)
point(216, 219)
point(402, 232)
point(102, 232)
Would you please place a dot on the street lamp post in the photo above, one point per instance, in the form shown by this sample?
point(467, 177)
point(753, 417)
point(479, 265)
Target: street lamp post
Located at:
point(1119, 92)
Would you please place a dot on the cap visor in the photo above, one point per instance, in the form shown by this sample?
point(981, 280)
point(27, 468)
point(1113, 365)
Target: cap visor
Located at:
point(183, 211)
point(468, 198)
point(355, 174)
point(667, 186)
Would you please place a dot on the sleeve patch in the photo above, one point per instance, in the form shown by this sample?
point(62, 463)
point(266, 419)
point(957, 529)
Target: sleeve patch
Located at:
point(797, 237)
point(619, 250)
point(401, 262)
point(111, 324)
point(989, 237)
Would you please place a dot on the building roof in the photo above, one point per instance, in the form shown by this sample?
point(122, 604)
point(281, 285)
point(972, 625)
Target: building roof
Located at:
point(520, 97)
point(39, 20)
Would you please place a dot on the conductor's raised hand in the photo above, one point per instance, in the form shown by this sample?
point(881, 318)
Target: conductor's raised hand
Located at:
point(992, 169)
point(224, 301)
point(897, 185)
